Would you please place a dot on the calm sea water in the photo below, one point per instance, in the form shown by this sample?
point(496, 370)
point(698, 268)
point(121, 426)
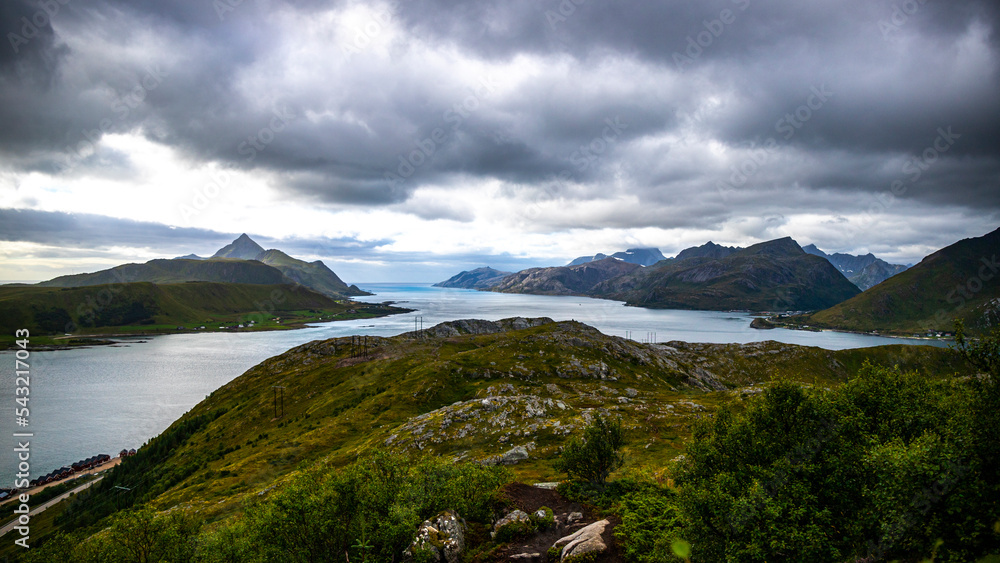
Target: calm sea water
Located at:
point(102, 399)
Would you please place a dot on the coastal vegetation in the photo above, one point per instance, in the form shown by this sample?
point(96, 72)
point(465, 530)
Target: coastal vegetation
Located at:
point(738, 452)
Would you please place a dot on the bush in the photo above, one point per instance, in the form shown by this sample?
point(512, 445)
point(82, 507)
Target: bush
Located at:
point(546, 521)
point(890, 465)
point(593, 458)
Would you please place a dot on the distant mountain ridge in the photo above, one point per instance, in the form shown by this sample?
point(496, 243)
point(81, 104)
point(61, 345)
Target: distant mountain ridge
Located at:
point(243, 261)
point(640, 256)
point(776, 275)
point(707, 250)
point(863, 271)
point(480, 278)
point(769, 276)
point(178, 270)
point(959, 281)
point(564, 280)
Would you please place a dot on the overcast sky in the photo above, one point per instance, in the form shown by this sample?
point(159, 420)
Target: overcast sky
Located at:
point(407, 140)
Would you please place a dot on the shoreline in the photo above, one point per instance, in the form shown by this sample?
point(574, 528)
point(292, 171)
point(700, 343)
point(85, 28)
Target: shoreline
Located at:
point(779, 324)
point(100, 339)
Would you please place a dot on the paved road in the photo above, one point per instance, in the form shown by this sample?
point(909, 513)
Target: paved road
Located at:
point(10, 525)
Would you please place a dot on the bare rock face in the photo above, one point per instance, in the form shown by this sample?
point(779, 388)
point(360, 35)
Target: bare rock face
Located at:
point(585, 540)
point(443, 536)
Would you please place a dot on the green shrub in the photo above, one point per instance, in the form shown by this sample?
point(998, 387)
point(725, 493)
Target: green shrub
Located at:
point(650, 520)
point(597, 454)
point(544, 522)
point(514, 530)
point(890, 465)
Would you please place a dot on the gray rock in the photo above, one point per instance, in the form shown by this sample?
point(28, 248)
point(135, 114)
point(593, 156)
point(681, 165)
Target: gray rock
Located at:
point(514, 455)
point(585, 540)
point(574, 517)
point(515, 518)
point(550, 485)
point(443, 536)
point(526, 557)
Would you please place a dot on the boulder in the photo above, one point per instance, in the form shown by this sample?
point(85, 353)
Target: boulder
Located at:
point(514, 455)
point(585, 540)
point(443, 536)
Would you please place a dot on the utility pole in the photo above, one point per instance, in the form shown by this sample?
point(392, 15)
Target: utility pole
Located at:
point(278, 390)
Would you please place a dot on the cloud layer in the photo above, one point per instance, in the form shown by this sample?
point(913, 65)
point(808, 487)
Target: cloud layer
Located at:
point(734, 117)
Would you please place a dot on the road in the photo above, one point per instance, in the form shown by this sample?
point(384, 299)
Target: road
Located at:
point(41, 508)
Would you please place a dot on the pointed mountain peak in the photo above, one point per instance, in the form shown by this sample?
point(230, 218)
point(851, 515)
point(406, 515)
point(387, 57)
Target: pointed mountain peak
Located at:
point(243, 248)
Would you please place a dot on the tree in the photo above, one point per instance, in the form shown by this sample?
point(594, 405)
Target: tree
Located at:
point(594, 457)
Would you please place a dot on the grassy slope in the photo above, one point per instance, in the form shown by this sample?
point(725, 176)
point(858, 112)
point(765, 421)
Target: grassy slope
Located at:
point(177, 271)
point(474, 396)
point(149, 307)
point(314, 275)
point(926, 297)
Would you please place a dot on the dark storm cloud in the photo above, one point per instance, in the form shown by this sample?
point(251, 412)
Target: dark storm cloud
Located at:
point(97, 231)
point(88, 231)
point(848, 91)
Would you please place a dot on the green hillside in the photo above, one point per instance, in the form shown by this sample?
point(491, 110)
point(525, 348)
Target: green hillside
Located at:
point(460, 392)
point(470, 390)
point(959, 281)
point(314, 275)
point(146, 307)
point(177, 271)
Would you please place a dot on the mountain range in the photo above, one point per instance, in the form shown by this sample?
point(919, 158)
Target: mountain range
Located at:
point(242, 261)
point(640, 256)
point(863, 271)
point(772, 276)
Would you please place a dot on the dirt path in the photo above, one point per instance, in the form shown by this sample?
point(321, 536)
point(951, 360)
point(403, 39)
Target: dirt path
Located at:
point(529, 499)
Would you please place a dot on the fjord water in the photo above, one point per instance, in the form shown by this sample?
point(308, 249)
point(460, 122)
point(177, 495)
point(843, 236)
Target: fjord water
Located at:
point(102, 399)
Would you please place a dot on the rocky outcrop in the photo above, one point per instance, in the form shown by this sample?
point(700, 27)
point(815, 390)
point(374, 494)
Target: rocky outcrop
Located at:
point(762, 323)
point(477, 326)
point(442, 536)
point(585, 540)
